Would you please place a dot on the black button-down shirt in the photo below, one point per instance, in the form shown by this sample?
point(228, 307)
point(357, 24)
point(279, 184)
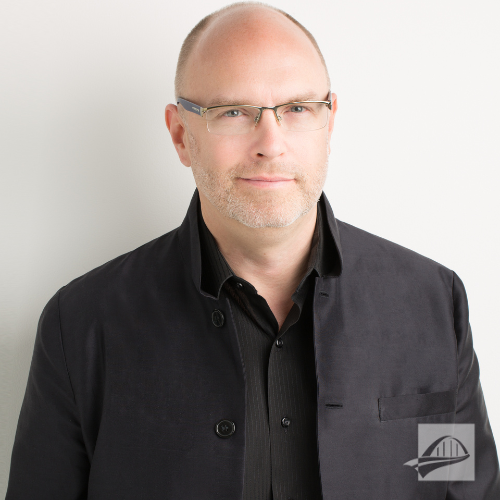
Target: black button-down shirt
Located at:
point(281, 451)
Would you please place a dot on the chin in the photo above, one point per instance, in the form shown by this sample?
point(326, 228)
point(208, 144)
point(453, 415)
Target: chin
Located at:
point(257, 215)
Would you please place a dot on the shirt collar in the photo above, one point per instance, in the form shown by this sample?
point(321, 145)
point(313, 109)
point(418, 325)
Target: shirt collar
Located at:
point(210, 270)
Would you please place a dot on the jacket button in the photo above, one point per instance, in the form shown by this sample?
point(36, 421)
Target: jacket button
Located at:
point(217, 318)
point(225, 428)
point(279, 343)
point(285, 421)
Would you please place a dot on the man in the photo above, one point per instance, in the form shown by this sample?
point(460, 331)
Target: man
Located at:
point(263, 349)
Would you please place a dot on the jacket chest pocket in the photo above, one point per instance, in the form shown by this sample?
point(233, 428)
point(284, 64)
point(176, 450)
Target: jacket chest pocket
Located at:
point(416, 405)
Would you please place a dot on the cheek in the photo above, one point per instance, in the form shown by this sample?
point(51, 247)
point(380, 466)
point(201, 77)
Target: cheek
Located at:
point(308, 149)
point(223, 152)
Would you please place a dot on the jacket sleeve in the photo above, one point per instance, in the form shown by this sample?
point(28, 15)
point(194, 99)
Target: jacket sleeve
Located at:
point(471, 408)
point(49, 460)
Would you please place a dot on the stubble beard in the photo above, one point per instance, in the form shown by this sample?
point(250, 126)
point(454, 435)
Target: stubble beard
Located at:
point(253, 207)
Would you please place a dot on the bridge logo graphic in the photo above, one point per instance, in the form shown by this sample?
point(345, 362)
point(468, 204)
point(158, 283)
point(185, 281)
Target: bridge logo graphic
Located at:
point(449, 456)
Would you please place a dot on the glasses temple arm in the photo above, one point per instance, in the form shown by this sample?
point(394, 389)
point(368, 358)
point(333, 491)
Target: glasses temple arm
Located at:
point(191, 106)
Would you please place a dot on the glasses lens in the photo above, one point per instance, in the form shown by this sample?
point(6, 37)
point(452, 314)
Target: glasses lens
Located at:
point(236, 120)
point(303, 116)
point(231, 120)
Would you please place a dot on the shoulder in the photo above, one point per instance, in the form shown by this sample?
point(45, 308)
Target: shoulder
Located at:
point(366, 253)
point(126, 275)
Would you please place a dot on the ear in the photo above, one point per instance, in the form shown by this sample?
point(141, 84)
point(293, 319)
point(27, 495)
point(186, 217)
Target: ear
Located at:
point(178, 133)
point(332, 115)
point(332, 119)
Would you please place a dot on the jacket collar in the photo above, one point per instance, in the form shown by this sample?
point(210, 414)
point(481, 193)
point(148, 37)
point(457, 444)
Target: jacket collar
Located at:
point(328, 262)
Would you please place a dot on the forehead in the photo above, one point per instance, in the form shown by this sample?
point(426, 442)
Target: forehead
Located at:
point(254, 54)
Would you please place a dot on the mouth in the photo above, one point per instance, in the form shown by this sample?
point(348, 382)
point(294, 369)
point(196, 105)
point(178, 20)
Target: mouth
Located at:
point(267, 182)
point(267, 179)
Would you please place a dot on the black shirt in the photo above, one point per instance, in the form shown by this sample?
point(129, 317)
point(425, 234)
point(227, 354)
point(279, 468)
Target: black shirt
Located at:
point(281, 453)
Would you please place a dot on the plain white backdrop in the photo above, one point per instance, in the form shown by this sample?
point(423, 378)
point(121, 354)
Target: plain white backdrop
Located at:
point(88, 171)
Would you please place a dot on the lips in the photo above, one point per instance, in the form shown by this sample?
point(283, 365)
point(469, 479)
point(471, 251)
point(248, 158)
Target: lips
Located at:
point(267, 179)
point(267, 183)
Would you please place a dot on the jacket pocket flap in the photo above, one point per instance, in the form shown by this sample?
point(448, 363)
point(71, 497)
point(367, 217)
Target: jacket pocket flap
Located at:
point(416, 405)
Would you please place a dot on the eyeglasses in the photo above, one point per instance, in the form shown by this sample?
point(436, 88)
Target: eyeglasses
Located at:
point(239, 119)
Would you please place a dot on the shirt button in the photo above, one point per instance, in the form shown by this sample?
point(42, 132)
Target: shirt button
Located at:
point(279, 343)
point(225, 428)
point(217, 318)
point(239, 285)
point(285, 421)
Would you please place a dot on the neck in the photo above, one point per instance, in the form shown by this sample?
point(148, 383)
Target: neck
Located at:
point(270, 258)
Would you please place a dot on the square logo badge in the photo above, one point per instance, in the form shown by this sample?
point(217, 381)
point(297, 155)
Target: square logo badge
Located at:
point(445, 452)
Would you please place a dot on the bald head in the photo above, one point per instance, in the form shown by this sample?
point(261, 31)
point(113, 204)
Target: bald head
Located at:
point(234, 31)
point(255, 55)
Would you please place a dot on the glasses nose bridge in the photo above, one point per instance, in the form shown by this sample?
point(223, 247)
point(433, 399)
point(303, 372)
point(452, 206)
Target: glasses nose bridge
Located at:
point(275, 111)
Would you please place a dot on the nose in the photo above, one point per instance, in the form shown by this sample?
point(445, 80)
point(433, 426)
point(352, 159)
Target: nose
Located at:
point(268, 136)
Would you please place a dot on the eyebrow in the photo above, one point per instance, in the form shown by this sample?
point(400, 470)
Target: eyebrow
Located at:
point(220, 100)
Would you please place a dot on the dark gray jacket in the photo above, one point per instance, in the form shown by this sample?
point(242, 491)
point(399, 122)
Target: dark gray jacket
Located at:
point(130, 376)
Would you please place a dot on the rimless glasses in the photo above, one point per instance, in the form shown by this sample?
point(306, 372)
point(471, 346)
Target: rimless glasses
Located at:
point(299, 116)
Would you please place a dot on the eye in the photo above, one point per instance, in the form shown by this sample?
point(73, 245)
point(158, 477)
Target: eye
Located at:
point(232, 113)
point(229, 113)
point(297, 109)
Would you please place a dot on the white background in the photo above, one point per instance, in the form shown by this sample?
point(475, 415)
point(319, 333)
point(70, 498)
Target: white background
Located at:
point(88, 171)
